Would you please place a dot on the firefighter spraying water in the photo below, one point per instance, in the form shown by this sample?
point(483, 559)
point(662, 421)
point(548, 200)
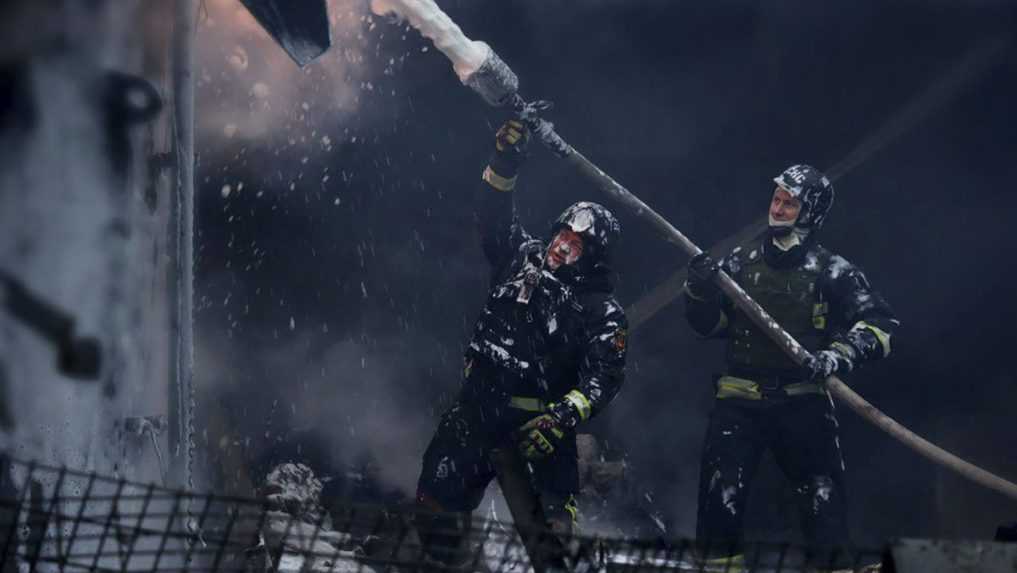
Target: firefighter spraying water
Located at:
point(547, 353)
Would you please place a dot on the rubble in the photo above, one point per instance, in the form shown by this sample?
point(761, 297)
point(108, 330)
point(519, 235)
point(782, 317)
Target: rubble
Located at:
point(297, 534)
point(610, 499)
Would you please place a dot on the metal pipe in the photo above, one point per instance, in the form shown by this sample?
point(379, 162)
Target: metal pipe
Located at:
point(183, 107)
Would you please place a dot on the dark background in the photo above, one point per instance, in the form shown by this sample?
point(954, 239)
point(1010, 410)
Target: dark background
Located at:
point(336, 288)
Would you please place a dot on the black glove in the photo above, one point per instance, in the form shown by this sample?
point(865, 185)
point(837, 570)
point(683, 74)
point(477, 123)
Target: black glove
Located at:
point(702, 270)
point(539, 437)
point(826, 363)
point(510, 144)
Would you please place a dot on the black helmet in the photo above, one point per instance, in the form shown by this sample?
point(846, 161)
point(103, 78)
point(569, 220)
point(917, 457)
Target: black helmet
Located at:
point(812, 189)
point(593, 222)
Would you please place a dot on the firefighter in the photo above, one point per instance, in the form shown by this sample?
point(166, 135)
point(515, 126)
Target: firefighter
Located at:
point(764, 401)
point(546, 354)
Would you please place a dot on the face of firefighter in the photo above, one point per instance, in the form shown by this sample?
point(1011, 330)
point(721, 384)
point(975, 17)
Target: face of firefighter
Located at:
point(565, 249)
point(784, 208)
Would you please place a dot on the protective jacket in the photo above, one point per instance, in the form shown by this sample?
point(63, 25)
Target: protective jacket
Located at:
point(547, 351)
point(542, 337)
point(554, 331)
point(818, 297)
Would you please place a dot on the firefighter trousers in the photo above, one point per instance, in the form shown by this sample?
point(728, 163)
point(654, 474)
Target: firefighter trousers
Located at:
point(801, 432)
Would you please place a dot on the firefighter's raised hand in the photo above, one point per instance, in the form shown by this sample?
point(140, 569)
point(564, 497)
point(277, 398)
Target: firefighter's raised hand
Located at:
point(512, 139)
point(510, 144)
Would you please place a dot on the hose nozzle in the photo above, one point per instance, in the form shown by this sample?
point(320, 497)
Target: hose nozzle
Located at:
point(494, 81)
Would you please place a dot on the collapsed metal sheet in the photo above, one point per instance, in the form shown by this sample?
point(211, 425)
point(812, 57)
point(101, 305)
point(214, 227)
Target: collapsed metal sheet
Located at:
point(299, 26)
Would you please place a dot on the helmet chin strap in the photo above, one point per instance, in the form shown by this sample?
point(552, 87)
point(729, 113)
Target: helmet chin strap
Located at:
point(786, 235)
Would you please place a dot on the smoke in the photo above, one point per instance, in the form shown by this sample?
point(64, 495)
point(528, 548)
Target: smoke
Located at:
point(361, 399)
point(363, 404)
point(249, 88)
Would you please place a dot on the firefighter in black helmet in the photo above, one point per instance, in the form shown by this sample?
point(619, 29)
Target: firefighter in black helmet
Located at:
point(547, 353)
point(764, 401)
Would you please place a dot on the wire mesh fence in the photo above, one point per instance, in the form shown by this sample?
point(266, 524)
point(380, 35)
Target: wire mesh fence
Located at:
point(58, 519)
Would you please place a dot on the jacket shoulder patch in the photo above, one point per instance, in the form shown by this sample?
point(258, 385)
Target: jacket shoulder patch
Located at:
point(621, 339)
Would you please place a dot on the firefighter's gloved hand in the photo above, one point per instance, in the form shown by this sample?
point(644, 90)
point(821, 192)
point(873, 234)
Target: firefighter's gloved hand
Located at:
point(824, 364)
point(702, 270)
point(512, 141)
point(539, 437)
point(510, 145)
